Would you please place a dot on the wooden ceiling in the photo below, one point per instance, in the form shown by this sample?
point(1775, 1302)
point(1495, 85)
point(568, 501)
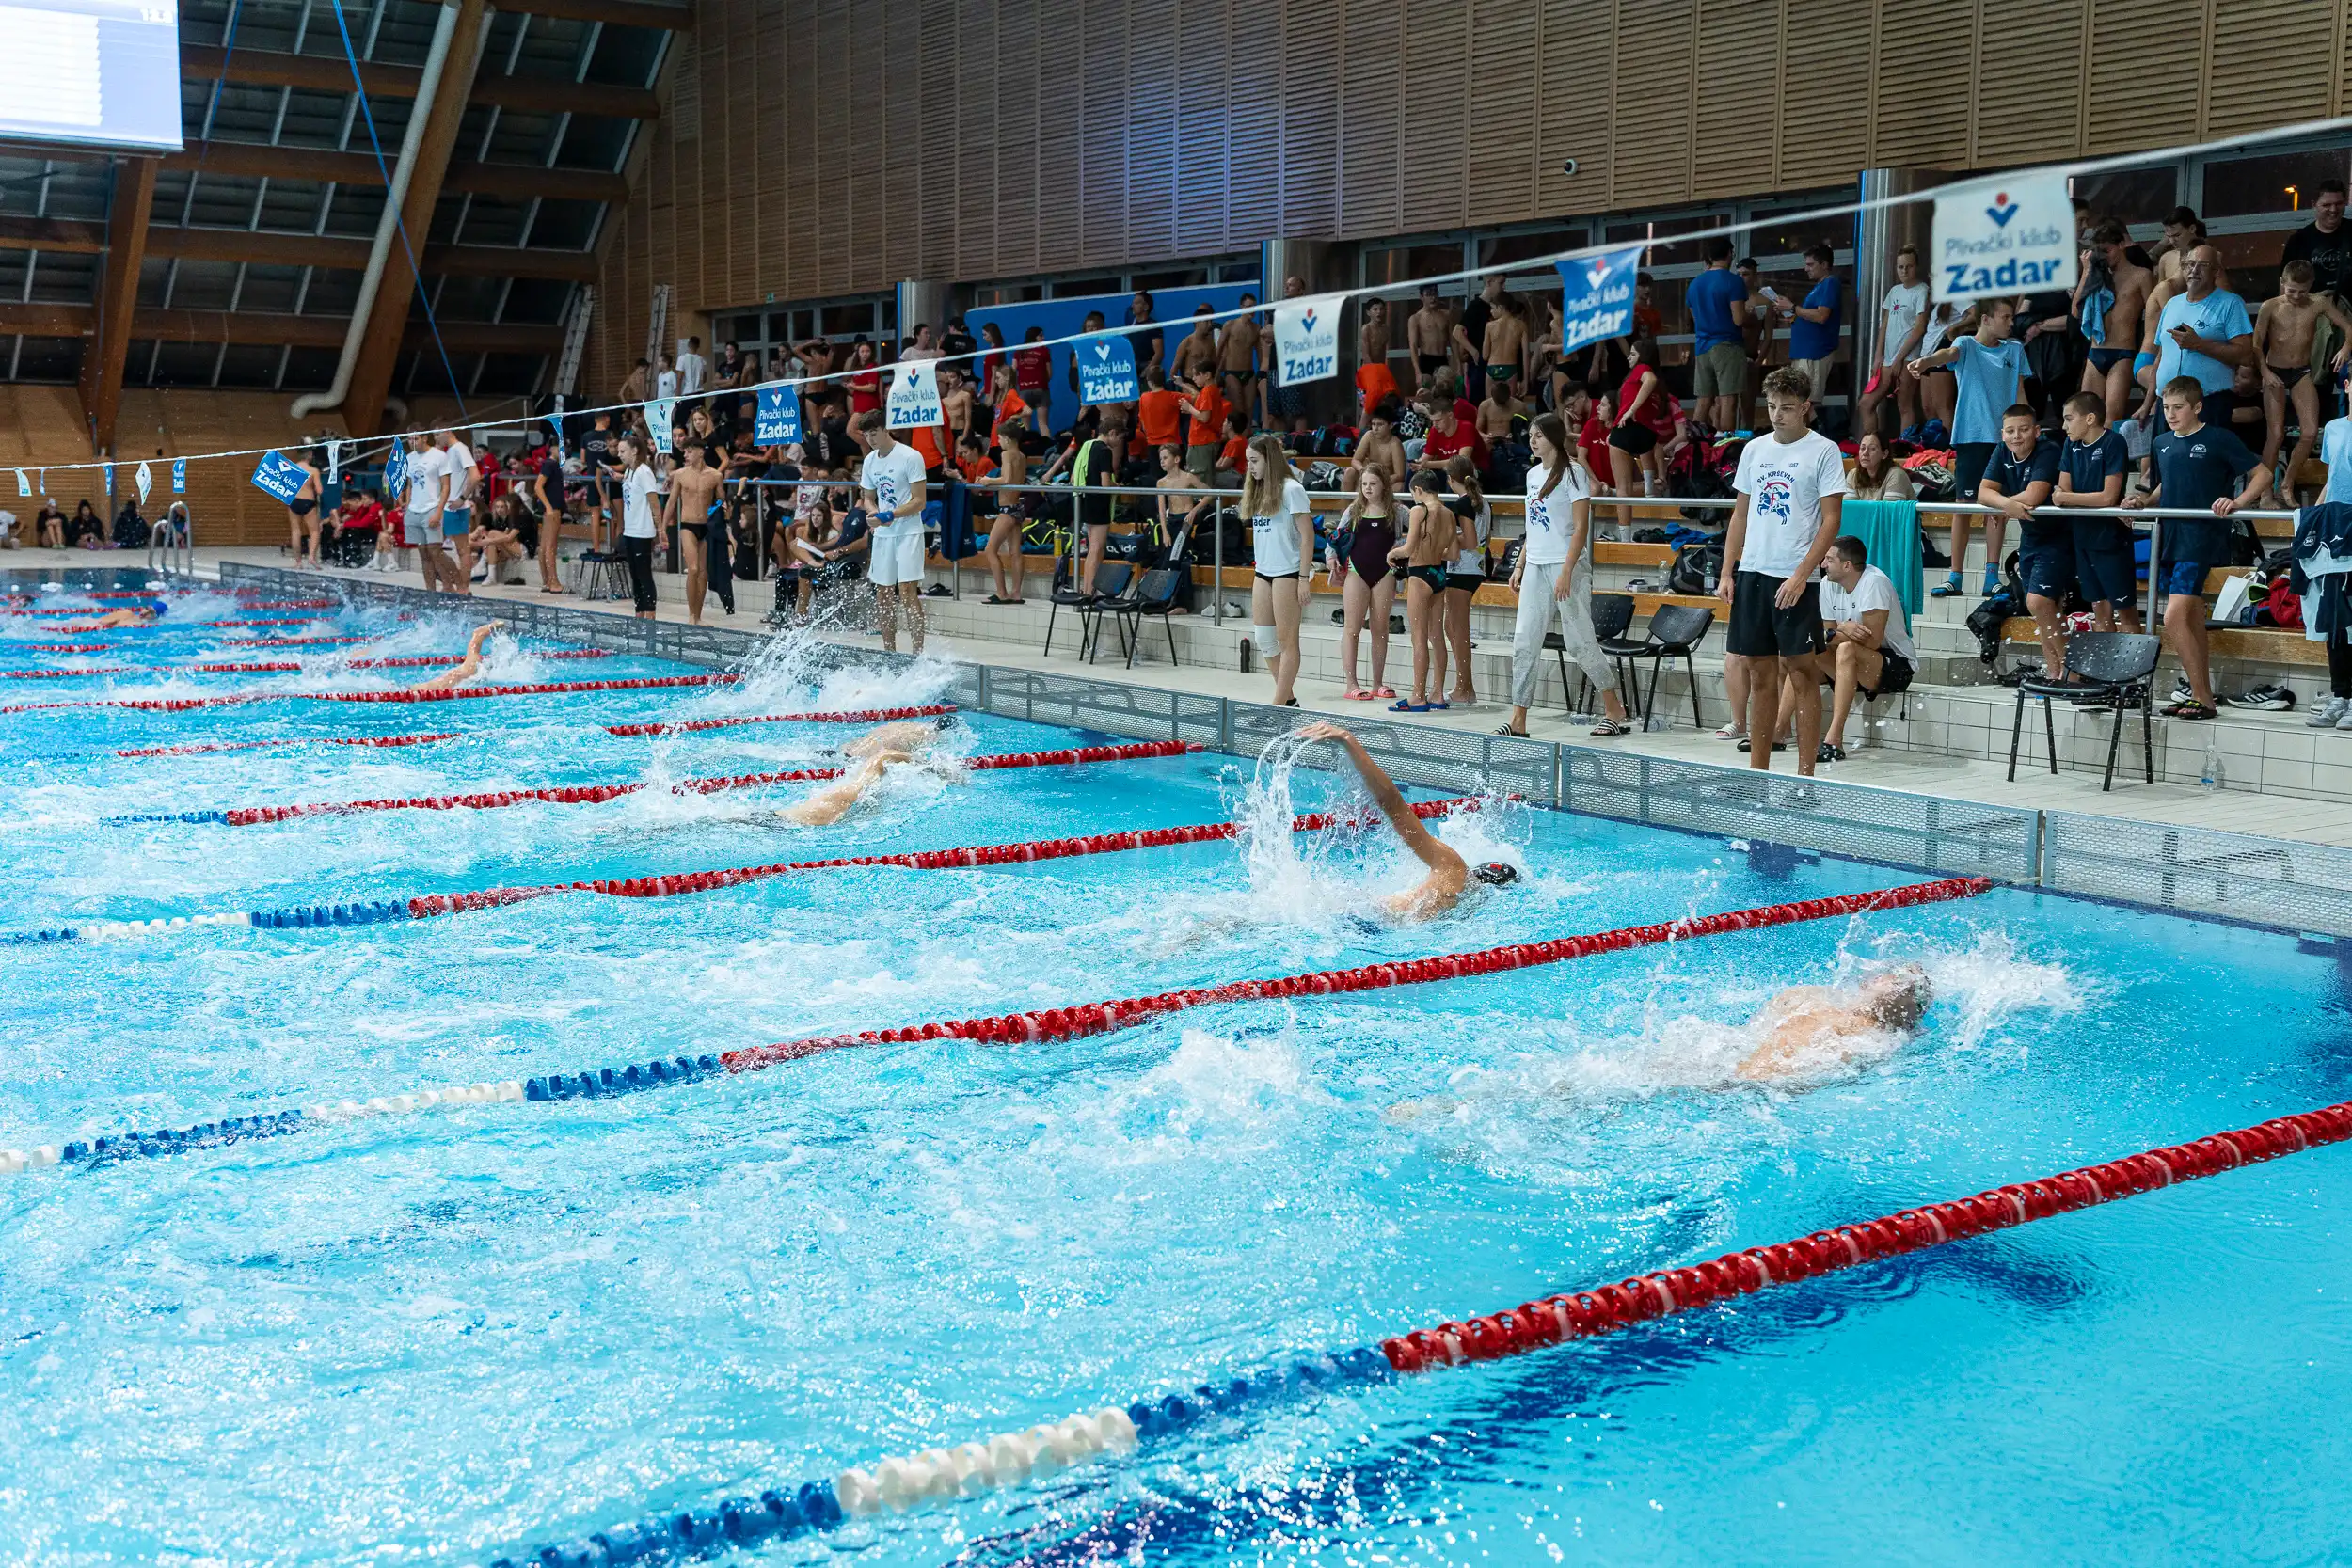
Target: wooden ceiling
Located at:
point(237, 262)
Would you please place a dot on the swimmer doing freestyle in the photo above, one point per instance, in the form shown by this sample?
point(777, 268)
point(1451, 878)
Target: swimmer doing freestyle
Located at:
point(877, 751)
point(468, 668)
point(114, 620)
point(1449, 874)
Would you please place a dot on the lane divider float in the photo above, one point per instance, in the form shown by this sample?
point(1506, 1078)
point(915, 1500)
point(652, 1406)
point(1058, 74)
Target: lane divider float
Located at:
point(1061, 1023)
point(193, 748)
point(386, 910)
point(853, 716)
point(462, 694)
point(1010, 1459)
point(590, 795)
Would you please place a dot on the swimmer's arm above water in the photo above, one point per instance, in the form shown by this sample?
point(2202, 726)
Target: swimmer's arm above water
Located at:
point(1442, 862)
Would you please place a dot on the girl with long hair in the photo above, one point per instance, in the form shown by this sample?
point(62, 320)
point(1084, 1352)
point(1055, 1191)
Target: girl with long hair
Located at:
point(1464, 577)
point(1426, 550)
point(1368, 587)
point(1554, 579)
point(1282, 534)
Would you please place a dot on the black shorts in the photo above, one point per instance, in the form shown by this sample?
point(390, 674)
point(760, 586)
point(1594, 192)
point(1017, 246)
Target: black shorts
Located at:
point(2047, 569)
point(1894, 675)
point(1969, 461)
point(1094, 511)
point(1469, 582)
point(1638, 439)
point(1429, 364)
point(2103, 562)
point(1761, 630)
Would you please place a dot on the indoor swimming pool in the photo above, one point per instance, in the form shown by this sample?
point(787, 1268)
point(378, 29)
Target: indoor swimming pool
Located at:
point(512, 1321)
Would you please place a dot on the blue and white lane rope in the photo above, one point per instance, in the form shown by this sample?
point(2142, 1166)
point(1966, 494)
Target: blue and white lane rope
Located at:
point(905, 1481)
point(213, 1134)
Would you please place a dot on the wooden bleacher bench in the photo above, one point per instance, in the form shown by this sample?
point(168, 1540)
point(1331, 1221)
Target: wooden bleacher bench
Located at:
point(2268, 644)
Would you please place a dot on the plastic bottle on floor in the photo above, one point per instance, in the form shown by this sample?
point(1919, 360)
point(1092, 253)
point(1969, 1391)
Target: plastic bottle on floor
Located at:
point(2214, 777)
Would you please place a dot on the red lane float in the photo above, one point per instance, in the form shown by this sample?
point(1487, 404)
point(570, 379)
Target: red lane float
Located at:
point(414, 661)
point(292, 642)
point(966, 858)
point(255, 745)
point(851, 716)
point(65, 674)
point(1100, 1018)
point(189, 705)
point(589, 795)
point(69, 647)
point(292, 603)
point(1583, 1314)
point(264, 621)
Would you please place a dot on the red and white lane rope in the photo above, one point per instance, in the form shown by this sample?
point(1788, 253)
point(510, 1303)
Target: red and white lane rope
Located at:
point(463, 694)
point(853, 716)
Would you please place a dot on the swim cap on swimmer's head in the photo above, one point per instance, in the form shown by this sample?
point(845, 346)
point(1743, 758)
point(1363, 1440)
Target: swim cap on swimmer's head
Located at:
point(157, 608)
point(1497, 874)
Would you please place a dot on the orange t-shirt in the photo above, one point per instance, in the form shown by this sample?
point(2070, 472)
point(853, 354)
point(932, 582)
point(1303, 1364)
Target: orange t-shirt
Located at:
point(1236, 454)
point(1011, 409)
point(925, 438)
point(1211, 418)
point(975, 468)
point(1159, 415)
point(1376, 382)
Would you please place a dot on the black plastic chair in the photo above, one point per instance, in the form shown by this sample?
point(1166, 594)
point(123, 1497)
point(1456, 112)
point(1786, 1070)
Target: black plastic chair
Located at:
point(1676, 630)
point(1065, 595)
point(1155, 593)
point(2111, 670)
point(1612, 614)
point(1111, 580)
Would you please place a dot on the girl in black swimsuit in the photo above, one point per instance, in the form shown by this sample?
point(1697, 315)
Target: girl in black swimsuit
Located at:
point(1367, 535)
point(1429, 546)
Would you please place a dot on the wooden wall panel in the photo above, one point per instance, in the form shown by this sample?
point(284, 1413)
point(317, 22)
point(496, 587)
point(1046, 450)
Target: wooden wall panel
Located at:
point(2267, 72)
point(813, 148)
point(1371, 115)
point(1652, 93)
point(1439, 103)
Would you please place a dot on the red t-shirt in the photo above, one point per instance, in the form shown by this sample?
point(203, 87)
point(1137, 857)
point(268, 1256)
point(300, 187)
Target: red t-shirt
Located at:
point(1658, 413)
point(865, 391)
point(1374, 382)
point(1211, 418)
point(1593, 438)
point(1236, 454)
point(1161, 418)
point(1031, 367)
point(1441, 446)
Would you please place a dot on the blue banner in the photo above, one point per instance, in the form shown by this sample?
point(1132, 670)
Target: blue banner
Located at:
point(281, 476)
point(179, 476)
point(779, 421)
point(1106, 369)
point(1596, 298)
point(395, 471)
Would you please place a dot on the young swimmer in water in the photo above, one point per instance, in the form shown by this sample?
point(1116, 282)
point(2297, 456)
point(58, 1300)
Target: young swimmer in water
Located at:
point(114, 620)
point(1810, 1029)
point(877, 751)
point(450, 680)
point(1449, 874)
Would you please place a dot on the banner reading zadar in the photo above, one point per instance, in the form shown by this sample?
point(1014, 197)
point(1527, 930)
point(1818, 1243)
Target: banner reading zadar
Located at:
point(914, 398)
point(1307, 339)
point(2004, 237)
point(1596, 298)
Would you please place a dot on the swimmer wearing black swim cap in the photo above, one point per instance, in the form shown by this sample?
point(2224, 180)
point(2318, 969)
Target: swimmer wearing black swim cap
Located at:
point(1449, 874)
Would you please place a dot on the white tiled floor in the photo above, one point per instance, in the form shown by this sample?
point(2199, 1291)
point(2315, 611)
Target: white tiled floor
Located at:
point(2270, 763)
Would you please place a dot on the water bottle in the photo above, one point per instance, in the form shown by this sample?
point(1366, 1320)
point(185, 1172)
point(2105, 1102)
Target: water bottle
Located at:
point(2212, 778)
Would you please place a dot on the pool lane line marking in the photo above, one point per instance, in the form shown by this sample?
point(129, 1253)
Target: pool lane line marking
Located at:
point(389, 910)
point(874, 715)
point(1060, 1024)
point(577, 794)
point(1010, 1459)
point(411, 661)
point(463, 694)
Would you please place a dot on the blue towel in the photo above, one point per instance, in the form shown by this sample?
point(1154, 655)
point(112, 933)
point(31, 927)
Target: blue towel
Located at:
point(1890, 530)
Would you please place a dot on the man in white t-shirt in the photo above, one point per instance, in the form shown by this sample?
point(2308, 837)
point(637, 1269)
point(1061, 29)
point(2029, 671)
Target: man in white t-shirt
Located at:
point(891, 480)
point(639, 486)
point(693, 371)
point(1789, 493)
point(422, 518)
point(1871, 653)
point(465, 476)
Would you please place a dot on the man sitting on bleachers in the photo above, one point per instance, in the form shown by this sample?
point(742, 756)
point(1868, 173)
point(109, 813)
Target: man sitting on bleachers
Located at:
point(1871, 652)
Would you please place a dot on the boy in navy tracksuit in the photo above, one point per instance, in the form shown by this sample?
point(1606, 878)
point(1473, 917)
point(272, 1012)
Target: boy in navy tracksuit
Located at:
point(2092, 470)
point(2199, 467)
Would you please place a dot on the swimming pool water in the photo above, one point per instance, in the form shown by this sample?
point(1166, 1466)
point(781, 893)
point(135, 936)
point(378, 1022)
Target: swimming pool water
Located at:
point(444, 1337)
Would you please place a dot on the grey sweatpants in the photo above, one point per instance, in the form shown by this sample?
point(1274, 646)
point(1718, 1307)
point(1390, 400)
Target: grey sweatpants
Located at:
point(1574, 613)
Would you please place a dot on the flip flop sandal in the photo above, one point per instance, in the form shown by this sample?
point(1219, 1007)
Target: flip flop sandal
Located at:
point(1515, 734)
point(1403, 706)
point(1609, 728)
point(1384, 690)
point(1353, 695)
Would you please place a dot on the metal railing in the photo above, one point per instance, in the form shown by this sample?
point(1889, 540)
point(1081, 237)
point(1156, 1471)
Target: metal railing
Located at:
point(2273, 883)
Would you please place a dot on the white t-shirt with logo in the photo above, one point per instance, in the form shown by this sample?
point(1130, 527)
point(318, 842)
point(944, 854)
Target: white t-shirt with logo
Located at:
point(425, 471)
point(665, 385)
point(1276, 538)
point(1904, 305)
point(1875, 591)
point(457, 458)
point(1785, 482)
point(637, 492)
point(1551, 524)
point(693, 370)
point(891, 479)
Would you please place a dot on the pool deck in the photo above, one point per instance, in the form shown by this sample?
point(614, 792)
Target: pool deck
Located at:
point(2234, 809)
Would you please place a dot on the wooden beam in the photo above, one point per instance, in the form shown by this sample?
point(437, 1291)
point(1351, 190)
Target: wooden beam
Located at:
point(522, 183)
point(615, 14)
point(254, 161)
point(117, 299)
point(387, 318)
point(254, 326)
point(325, 73)
point(60, 235)
point(265, 248)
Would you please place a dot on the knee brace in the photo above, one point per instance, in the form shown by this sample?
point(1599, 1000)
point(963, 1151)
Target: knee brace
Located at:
point(1269, 645)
